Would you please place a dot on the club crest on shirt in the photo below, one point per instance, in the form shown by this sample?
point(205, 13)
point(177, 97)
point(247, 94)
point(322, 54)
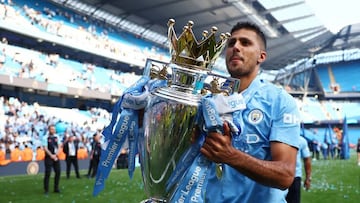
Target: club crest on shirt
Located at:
point(255, 116)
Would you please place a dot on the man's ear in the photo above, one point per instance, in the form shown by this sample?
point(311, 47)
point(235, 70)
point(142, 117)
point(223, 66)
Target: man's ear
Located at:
point(262, 57)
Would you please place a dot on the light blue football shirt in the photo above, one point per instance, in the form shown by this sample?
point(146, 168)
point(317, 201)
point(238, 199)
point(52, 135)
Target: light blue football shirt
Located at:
point(303, 152)
point(271, 114)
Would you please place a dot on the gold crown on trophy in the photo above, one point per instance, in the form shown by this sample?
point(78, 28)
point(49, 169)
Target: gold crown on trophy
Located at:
point(186, 50)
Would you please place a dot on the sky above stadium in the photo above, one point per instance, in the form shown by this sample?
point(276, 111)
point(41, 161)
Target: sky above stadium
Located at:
point(336, 14)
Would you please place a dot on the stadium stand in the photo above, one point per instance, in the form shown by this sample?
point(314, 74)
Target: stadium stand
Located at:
point(340, 75)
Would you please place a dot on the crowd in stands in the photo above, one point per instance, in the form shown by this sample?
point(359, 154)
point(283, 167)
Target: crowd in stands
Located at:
point(75, 30)
point(24, 129)
point(50, 68)
point(314, 110)
point(81, 29)
point(328, 65)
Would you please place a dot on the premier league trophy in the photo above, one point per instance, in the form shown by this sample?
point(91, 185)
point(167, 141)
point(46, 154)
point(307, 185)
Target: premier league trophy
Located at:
point(171, 115)
point(160, 114)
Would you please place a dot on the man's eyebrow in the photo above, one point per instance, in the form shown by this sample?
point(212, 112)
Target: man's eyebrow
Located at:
point(239, 38)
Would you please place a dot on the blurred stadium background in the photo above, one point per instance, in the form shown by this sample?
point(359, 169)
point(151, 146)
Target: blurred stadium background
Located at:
point(68, 61)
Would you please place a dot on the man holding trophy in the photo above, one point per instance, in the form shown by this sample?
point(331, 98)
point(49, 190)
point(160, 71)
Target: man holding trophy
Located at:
point(260, 166)
point(198, 142)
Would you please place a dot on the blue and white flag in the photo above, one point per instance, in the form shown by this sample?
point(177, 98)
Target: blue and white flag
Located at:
point(327, 135)
point(345, 149)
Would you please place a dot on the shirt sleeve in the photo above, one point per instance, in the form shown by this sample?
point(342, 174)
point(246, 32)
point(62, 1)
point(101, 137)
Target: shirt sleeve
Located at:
point(304, 149)
point(286, 120)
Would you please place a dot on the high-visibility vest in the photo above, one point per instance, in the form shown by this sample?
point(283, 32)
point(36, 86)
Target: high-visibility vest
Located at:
point(3, 160)
point(27, 154)
point(16, 155)
point(40, 154)
point(82, 153)
point(2, 155)
point(61, 154)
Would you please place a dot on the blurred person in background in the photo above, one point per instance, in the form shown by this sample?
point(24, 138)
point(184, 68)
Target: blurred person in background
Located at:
point(27, 153)
point(40, 153)
point(51, 147)
point(95, 155)
point(2, 153)
point(122, 160)
point(16, 154)
point(61, 154)
point(324, 148)
point(316, 147)
point(333, 146)
point(91, 150)
point(82, 152)
point(71, 146)
point(358, 151)
point(3, 160)
point(293, 195)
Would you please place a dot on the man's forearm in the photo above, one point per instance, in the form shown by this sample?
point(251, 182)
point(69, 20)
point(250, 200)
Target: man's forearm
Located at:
point(307, 166)
point(53, 156)
point(47, 151)
point(270, 173)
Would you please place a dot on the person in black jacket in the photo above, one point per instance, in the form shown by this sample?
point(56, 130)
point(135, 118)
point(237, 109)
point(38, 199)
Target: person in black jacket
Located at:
point(71, 146)
point(92, 144)
point(51, 159)
point(95, 154)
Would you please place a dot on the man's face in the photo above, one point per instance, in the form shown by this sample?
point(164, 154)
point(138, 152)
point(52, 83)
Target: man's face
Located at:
point(244, 53)
point(52, 130)
point(97, 138)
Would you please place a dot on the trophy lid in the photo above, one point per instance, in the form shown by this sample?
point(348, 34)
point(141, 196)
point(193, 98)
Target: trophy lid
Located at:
point(188, 51)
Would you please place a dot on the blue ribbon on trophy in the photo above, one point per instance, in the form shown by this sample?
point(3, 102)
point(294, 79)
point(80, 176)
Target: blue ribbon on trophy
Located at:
point(214, 110)
point(191, 186)
point(124, 127)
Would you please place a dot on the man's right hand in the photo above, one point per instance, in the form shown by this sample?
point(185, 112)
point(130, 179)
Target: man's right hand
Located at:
point(54, 157)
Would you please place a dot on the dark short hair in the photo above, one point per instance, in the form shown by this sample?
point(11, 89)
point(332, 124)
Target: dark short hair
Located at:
point(250, 26)
point(51, 125)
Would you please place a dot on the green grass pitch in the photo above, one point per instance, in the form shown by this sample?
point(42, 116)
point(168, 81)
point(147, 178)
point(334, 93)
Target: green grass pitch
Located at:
point(335, 181)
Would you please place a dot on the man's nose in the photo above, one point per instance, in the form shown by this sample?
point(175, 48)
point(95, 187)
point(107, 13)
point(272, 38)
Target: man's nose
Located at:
point(237, 46)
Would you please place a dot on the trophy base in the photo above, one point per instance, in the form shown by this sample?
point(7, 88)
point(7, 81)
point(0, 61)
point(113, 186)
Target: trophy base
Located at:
point(153, 201)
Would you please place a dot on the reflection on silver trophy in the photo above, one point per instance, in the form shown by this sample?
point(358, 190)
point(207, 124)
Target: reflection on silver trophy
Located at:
point(170, 116)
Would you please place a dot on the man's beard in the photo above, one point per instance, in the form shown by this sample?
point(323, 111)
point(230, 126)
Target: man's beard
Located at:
point(237, 73)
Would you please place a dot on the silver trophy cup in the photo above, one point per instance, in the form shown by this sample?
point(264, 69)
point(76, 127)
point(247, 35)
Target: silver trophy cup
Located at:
point(169, 118)
point(169, 121)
